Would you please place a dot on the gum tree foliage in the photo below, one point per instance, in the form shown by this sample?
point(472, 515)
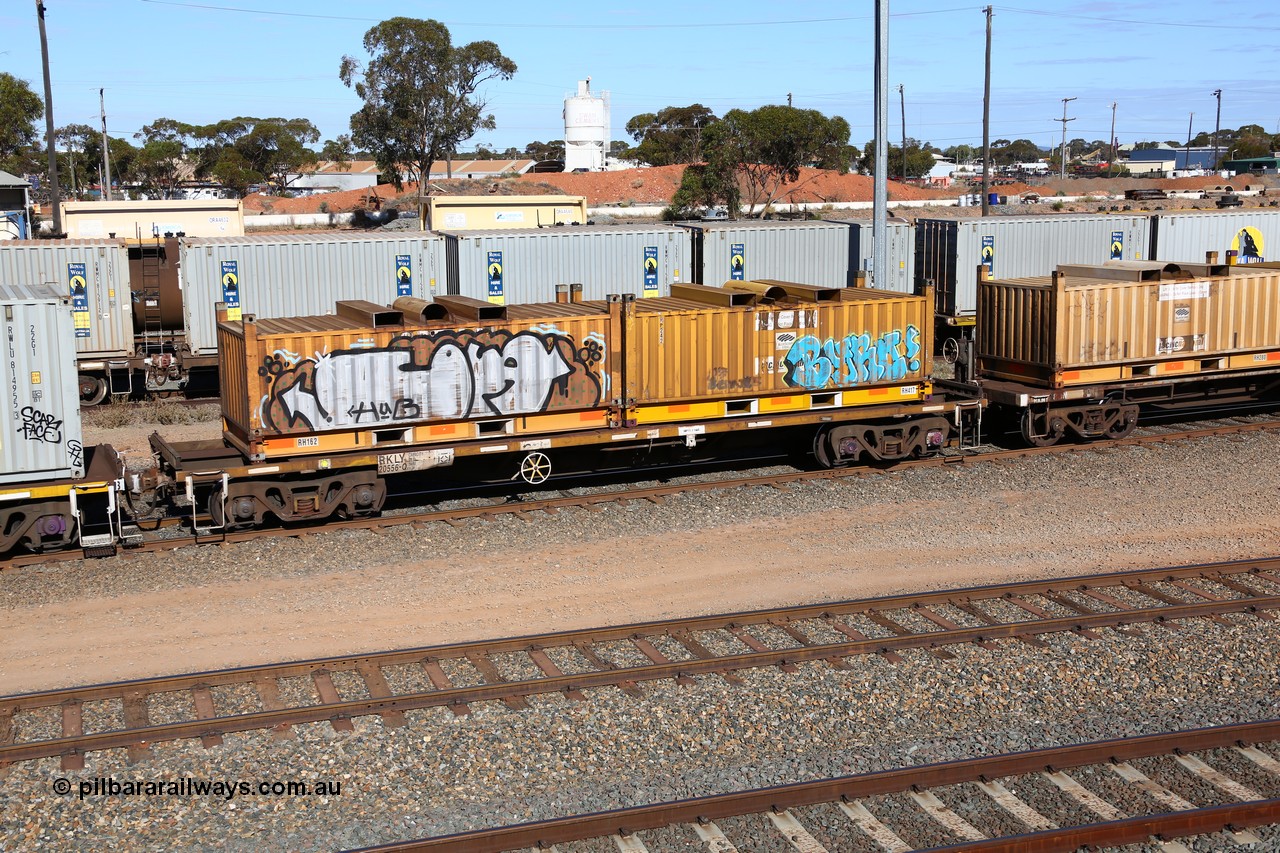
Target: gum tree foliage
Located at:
point(764, 149)
point(419, 92)
point(238, 152)
point(919, 158)
point(20, 109)
point(79, 154)
point(670, 136)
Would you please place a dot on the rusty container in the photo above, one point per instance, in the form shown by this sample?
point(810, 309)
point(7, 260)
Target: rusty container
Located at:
point(370, 376)
point(809, 340)
point(1128, 320)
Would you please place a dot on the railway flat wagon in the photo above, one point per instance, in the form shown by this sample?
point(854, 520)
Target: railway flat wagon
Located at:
point(949, 249)
point(525, 265)
point(1084, 350)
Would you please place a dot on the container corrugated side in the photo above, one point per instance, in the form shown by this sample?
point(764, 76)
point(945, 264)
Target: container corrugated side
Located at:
point(1253, 234)
point(901, 246)
point(607, 259)
point(706, 353)
point(1096, 323)
point(948, 251)
point(40, 431)
point(105, 329)
point(234, 377)
point(814, 252)
point(305, 377)
point(282, 275)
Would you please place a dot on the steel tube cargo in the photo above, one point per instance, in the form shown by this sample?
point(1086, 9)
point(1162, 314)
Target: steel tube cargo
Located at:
point(815, 252)
point(285, 275)
point(94, 274)
point(949, 250)
point(40, 435)
point(525, 266)
point(1254, 235)
point(1128, 323)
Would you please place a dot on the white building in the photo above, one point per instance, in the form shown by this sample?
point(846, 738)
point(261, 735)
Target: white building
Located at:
point(586, 129)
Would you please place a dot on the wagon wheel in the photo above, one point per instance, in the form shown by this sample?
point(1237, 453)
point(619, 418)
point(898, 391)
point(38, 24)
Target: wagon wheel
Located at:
point(1051, 435)
point(93, 389)
point(535, 468)
point(1125, 422)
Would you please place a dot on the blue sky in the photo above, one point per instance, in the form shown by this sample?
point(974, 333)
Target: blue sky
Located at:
point(203, 60)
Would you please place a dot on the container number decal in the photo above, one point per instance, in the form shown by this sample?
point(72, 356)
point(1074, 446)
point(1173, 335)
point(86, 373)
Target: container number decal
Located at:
point(737, 262)
point(404, 275)
point(231, 288)
point(414, 460)
point(493, 271)
point(651, 271)
point(308, 441)
point(79, 287)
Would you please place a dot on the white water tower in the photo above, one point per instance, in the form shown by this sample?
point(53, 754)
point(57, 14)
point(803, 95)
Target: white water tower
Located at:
point(586, 129)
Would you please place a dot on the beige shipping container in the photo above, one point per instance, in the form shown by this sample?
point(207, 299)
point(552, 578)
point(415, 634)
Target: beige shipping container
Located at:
point(365, 377)
point(853, 340)
point(1128, 320)
point(470, 212)
point(134, 220)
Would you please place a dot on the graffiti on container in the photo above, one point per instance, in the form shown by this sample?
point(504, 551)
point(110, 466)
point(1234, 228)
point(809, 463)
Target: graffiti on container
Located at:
point(75, 453)
point(432, 376)
point(719, 380)
point(39, 426)
point(853, 360)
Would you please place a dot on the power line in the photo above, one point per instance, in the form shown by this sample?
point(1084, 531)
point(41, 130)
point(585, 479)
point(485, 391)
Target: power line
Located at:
point(1149, 23)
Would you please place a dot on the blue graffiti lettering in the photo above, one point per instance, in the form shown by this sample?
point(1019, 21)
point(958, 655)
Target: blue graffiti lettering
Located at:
point(853, 360)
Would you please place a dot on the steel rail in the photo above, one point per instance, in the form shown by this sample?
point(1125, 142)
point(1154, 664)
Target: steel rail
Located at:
point(502, 690)
point(628, 821)
point(652, 493)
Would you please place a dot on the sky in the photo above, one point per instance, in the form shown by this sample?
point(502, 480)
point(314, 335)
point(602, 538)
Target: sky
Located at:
point(199, 61)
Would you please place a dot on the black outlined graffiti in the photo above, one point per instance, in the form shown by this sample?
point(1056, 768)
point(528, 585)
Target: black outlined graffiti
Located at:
point(40, 426)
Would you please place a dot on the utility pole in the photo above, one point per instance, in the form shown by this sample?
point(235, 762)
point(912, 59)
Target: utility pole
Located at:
point(880, 197)
point(1062, 167)
point(106, 151)
point(788, 99)
point(902, 99)
point(986, 124)
point(1217, 124)
point(48, 125)
point(1112, 166)
point(1187, 151)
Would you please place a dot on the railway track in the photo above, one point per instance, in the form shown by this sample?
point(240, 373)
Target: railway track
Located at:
point(135, 714)
point(1128, 804)
point(1146, 436)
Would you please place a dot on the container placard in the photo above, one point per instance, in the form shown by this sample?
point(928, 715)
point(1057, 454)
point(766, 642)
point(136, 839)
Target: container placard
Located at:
point(651, 271)
point(737, 262)
point(1117, 245)
point(404, 275)
point(493, 269)
point(989, 254)
point(231, 288)
point(1184, 290)
point(79, 287)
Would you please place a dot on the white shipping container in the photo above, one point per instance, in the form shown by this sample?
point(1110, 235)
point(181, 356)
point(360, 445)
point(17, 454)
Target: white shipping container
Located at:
point(1254, 235)
point(509, 266)
point(901, 248)
point(104, 329)
point(294, 275)
point(948, 251)
point(812, 252)
point(40, 436)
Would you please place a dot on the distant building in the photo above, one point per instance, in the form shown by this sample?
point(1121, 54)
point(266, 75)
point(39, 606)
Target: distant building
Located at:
point(1254, 166)
point(363, 174)
point(586, 129)
point(15, 192)
point(1195, 157)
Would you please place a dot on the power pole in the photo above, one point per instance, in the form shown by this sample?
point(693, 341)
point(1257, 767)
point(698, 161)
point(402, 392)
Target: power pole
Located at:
point(1062, 167)
point(1187, 151)
point(902, 99)
point(54, 192)
point(1217, 124)
point(788, 99)
point(880, 197)
point(1112, 166)
point(106, 151)
point(986, 124)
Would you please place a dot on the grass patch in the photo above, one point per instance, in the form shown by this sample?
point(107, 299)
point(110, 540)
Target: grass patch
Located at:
point(123, 413)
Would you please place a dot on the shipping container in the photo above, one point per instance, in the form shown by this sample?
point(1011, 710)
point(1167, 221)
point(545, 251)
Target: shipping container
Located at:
point(366, 378)
point(814, 251)
point(901, 248)
point(759, 359)
point(287, 275)
point(1254, 235)
point(134, 220)
point(1128, 321)
point(524, 266)
point(949, 251)
point(40, 436)
point(94, 274)
point(471, 212)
